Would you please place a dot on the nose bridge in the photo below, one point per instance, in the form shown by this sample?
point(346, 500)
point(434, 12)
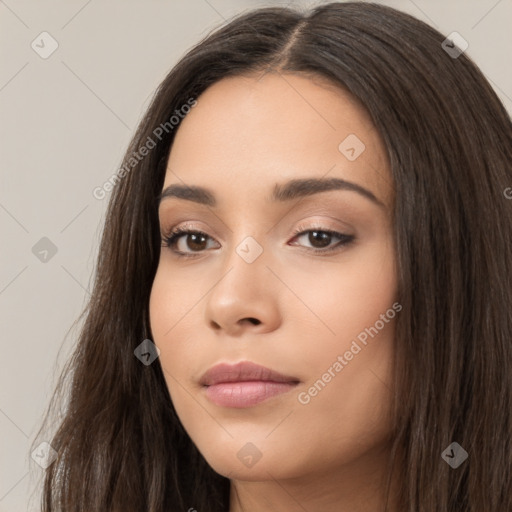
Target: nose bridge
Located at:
point(247, 239)
point(245, 261)
point(245, 254)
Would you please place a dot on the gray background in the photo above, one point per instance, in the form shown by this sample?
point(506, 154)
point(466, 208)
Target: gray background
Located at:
point(65, 123)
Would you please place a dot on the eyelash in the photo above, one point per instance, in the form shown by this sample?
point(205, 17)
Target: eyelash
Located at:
point(170, 239)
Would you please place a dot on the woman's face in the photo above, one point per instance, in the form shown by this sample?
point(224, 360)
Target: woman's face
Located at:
point(265, 282)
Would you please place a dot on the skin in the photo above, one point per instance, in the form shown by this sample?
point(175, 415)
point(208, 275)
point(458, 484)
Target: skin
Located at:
point(245, 135)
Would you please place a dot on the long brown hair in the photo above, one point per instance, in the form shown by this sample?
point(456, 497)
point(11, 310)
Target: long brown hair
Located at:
point(120, 444)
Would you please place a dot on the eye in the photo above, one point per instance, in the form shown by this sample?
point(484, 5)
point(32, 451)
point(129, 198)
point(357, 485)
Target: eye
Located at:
point(321, 239)
point(195, 241)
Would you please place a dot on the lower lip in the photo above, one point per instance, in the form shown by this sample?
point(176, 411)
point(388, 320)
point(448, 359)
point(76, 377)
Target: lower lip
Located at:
point(245, 394)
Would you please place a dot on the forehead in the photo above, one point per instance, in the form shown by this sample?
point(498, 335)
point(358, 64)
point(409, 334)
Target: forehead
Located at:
point(254, 131)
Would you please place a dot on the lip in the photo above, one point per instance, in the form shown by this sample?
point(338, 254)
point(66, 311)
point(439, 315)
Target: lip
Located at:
point(244, 384)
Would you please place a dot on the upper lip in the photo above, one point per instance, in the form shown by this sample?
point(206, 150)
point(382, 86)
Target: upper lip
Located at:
point(242, 372)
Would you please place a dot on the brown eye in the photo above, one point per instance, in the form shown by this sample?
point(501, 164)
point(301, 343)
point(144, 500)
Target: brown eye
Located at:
point(194, 241)
point(321, 239)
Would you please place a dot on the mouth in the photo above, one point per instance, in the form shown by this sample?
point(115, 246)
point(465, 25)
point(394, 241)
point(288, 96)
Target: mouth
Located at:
point(244, 384)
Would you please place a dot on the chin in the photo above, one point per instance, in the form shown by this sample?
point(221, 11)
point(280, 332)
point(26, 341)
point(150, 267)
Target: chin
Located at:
point(246, 464)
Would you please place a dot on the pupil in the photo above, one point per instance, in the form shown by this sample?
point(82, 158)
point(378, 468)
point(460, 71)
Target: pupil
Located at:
point(324, 237)
point(194, 238)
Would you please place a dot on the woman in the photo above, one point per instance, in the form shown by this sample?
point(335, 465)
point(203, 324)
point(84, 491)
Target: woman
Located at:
point(303, 298)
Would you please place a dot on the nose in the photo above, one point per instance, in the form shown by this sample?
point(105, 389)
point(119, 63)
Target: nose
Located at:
point(244, 298)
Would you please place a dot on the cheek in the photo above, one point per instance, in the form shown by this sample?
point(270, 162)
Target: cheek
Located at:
point(159, 304)
point(163, 314)
point(175, 330)
point(171, 305)
point(343, 300)
point(351, 394)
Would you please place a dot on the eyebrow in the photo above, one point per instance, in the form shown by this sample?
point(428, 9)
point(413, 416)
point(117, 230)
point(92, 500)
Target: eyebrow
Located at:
point(282, 192)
